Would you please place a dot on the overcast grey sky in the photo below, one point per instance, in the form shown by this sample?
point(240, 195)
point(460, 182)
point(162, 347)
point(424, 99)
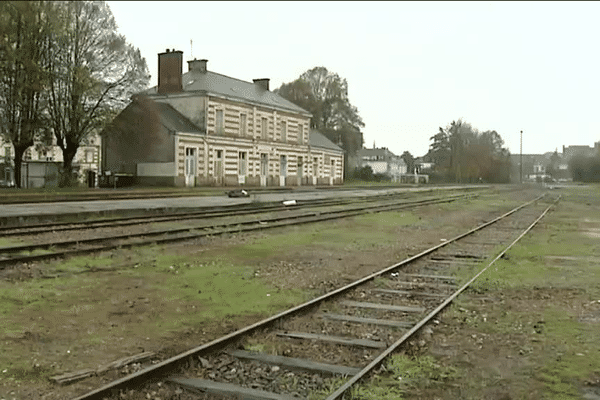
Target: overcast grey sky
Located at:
point(411, 67)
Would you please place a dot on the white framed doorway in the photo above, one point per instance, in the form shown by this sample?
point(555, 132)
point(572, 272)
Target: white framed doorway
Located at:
point(191, 166)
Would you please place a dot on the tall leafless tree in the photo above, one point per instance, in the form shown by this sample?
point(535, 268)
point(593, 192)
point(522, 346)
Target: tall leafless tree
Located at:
point(94, 73)
point(25, 28)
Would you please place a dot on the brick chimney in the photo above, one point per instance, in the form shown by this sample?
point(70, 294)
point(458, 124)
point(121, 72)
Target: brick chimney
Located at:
point(197, 65)
point(264, 83)
point(169, 71)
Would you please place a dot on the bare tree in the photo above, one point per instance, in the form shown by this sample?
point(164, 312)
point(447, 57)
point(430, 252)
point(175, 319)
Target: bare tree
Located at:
point(24, 31)
point(94, 73)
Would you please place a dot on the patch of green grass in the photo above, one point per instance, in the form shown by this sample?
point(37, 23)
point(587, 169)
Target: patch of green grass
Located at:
point(422, 370)
point(529, 262)
point(575, 350)
point(222, 288)
point(81, 264)
point(25, 296)
point(256, 347)
point(329, 386)
point(380, 282)
point(11, 242)
point(330, 235)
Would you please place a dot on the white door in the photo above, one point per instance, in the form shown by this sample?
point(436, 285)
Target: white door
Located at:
point(300, 170)
point(332, 175)
point(264, 169)
point(282, 170)
point(190, 166)
point(242, 167)
point(218, 167)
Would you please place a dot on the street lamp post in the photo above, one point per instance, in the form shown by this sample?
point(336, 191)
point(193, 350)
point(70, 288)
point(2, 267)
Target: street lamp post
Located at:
point(521, 161)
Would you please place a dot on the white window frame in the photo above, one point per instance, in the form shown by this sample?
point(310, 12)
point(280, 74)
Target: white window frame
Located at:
point(191, 161)
point(243, 124)
point(219, 163)
point(264, 131)
point(220, 122)
point(284, 131)
point(264, 164)
point(300, 134)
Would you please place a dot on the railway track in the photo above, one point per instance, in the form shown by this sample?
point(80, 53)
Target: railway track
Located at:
point(199, 213)
point(59, 249)
point(348, 332)
point(18, 197)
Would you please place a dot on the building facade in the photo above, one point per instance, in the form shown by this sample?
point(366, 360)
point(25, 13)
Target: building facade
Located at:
point(42, 162)
point(383, 161)
point(206, 129)
point(549, 166)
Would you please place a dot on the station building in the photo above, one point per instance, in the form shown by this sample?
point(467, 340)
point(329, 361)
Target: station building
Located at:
point(201, 128)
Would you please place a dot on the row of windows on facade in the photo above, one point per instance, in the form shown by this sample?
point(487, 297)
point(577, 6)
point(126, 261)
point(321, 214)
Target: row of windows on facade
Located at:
point(381, 157)
point(45, 155)
point(373, 158)
point(243, 127)
point(191, 163)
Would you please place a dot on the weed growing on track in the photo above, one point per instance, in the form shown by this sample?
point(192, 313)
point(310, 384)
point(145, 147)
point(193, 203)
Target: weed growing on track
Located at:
point(401, 373)
point(329, 386)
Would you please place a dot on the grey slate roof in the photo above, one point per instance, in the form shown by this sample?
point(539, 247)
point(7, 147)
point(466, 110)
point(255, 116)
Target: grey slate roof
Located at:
point(173, 120)
point(221, 85)
point(317, 139)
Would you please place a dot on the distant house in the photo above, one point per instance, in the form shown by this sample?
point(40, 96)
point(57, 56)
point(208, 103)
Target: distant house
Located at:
point(534, 167)
point(42, 162)
point(537, 167)
point(585, 151)
point(383, 161)
point(203, 128)
point(7, 173)
point(424, 164)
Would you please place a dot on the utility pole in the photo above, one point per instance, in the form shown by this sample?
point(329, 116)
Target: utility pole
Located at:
point(521, 162)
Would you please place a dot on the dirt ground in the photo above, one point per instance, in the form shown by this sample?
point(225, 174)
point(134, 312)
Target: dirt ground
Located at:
point(47, 341)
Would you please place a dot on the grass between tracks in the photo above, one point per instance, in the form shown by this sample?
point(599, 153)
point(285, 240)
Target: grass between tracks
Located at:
point(86, 311)
point(529, 328)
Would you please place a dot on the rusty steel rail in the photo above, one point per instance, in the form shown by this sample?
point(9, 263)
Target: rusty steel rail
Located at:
point(165, 367)
point(377, 361)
